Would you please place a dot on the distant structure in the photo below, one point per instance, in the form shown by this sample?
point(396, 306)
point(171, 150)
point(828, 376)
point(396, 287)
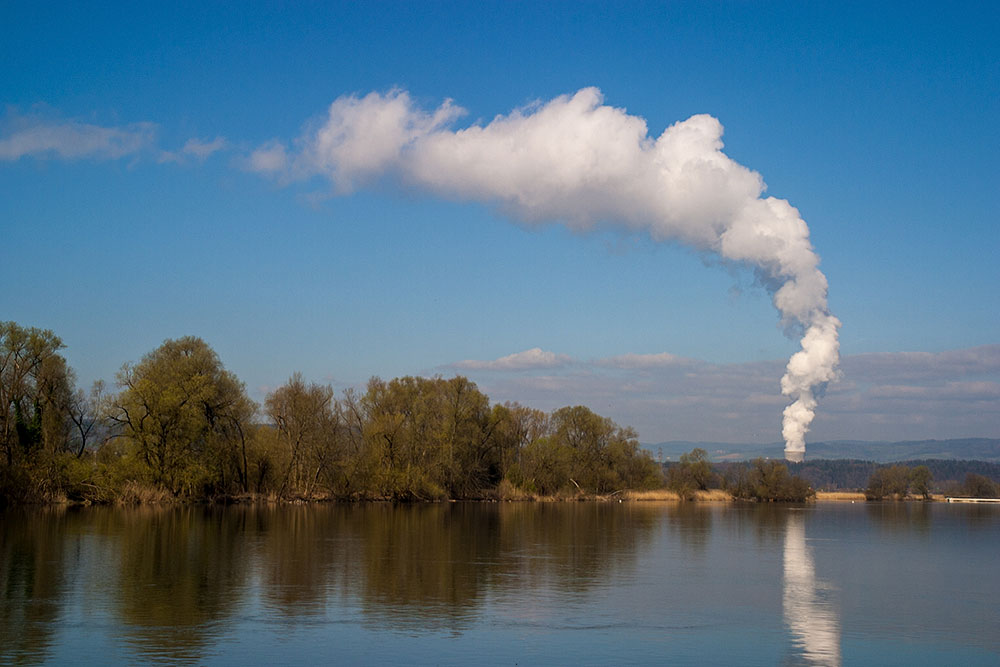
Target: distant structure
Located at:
point(795, 455)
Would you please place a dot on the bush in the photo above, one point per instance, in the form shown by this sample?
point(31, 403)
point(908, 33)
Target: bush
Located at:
point(978, 486)
point(767, 481)
point(692, 473)
point(891, 482)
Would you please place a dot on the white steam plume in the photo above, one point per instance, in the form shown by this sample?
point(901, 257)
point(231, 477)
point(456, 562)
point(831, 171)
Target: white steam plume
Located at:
point(577, 161)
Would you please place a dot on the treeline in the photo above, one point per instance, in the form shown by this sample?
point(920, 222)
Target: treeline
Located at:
point(760, 480)
point(854, 475)
point(900, 481)
point(182, 426)
point(897, 481)
point(771, 480)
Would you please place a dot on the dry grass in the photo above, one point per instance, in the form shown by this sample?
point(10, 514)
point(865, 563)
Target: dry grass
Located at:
point(655, 495)
point(134, 493)
point(712, 495)
point(508, 491)
point(839, 496)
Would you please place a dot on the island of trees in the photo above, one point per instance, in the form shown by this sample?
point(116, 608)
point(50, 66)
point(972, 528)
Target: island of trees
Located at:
point(181, 426)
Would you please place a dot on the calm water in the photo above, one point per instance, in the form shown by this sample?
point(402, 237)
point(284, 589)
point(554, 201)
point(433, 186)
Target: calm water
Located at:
point(566, 583)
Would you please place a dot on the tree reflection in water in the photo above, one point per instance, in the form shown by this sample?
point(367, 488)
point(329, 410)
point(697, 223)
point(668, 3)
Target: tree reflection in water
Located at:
point(33, 564)
point(306, 556)
point(173, 581)
point(433, 566)
point(181, 573)
point(641, 582)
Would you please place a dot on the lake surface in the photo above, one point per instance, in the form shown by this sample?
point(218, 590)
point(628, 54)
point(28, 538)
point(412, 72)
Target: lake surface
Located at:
point(503, 583)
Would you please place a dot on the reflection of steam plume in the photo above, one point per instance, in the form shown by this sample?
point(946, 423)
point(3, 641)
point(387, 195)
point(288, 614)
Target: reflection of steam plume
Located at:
point(578, 161)
point(813, 621)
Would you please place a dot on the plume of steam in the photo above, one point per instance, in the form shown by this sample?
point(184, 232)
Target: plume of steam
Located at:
point(577, 161)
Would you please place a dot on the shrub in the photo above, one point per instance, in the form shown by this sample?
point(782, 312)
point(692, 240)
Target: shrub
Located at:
point(768, 481)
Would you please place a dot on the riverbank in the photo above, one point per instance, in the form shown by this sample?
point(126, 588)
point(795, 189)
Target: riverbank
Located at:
point(859, 496)
point(141, 496)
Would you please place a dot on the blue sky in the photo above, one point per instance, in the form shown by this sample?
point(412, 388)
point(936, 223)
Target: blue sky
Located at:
point(142, 219)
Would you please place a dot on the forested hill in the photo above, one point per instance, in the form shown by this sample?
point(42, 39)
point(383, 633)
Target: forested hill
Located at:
point(978, 449)
point(844, 474)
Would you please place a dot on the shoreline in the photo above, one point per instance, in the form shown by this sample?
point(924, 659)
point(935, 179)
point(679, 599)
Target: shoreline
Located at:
point(657, 495)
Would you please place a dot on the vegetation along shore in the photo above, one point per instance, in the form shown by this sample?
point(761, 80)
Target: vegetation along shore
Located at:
point(180, 427)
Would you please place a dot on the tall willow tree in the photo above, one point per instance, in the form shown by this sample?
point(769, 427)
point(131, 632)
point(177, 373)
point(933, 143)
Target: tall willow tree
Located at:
point(186, 418)
point(583, 451)
point(428, 437)
point(34, 385)
point(308, 427)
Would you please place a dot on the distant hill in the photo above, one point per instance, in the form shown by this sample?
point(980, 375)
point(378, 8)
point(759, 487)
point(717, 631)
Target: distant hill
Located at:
point(978, 449)
point(828, 475)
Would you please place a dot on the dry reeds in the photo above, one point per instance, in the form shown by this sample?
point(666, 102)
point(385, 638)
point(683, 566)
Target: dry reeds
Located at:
point(654, 495)
point(839, 496)
point(135, 493)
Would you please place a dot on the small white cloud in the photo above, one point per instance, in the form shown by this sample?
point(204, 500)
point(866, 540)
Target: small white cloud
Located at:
point(34, 136)
point(536, 357)
point(269, 158)
point(196, 148)
point(202, 149)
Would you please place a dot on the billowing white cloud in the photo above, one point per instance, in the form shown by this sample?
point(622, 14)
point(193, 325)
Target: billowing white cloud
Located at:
point(577, 161)
point(528, 359)
point(35, 136)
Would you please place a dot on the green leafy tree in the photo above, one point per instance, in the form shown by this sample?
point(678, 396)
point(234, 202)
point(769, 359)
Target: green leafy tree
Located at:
point(587, 437)
point(266, 463)
point(586, 453)
point(472, 453)
point(33, 382)
point(517, 426)
point(34, 387)
point(398, 447)
point(546, 466)
point(426, 437)
point(308, 428)
point(186, 418)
